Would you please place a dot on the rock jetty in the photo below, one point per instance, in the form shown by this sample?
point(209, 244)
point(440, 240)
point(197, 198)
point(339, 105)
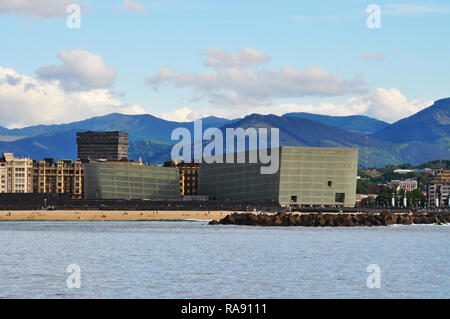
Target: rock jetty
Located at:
point(384, 218)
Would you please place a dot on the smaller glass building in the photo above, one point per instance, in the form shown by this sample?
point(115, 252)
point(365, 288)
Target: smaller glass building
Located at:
point(105, 180)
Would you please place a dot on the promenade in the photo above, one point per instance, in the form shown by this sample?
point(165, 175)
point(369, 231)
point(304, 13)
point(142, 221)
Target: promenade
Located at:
point(110, 215)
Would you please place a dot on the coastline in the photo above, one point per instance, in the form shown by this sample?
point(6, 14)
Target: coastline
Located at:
point(18, 215)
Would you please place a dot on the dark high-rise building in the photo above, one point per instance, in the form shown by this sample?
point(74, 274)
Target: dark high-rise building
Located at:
point(102, 145)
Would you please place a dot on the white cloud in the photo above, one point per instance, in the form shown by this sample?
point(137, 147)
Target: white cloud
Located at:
point(43, 9)
point(80, 70)
point(234, 84)
point(318, 18)
point(373, 56)
point(389, 105)
point(25, 101)
point(183, 114)
point(135, 6)
point(243, 58)
point(414, 9)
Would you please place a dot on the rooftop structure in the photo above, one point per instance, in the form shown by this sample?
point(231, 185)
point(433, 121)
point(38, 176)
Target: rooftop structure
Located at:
point(403, 171)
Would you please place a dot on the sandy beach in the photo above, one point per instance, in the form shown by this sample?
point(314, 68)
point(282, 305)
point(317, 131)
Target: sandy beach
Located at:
point(110, 215)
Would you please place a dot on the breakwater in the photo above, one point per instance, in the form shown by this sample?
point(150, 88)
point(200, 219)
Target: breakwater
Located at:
point(383, 218)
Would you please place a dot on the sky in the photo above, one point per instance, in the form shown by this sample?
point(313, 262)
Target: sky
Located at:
point(183, 60)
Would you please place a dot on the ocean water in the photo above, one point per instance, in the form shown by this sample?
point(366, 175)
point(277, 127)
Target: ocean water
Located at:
point(190, 259)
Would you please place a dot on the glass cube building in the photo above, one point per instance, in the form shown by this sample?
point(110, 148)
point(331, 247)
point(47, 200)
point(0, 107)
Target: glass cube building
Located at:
point(306, 176)
point(103, 180)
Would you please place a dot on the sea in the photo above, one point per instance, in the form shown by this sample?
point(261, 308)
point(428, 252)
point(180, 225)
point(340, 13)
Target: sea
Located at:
point(191, 259)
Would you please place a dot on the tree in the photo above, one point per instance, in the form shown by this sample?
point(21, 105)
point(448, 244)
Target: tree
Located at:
point(361, 188)
point(368, 202)
point(416, 198)
point(384, 199)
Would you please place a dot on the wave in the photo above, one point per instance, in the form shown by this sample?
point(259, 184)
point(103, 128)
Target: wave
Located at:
point(429, 225)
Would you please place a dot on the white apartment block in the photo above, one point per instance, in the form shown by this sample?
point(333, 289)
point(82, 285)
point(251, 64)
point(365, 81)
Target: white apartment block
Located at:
point(408, 184)
point(16, 174)
point(439, 190)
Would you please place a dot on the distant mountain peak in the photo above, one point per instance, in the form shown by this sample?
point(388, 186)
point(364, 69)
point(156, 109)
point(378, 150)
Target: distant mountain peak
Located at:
point(353, 123)
point(430, 125)
point(444, 101)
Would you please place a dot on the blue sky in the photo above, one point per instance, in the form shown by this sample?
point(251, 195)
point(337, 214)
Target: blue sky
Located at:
point(151, 57)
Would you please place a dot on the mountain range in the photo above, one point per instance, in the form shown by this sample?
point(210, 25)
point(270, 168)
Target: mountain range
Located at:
point(353, 123)
point(419, 138)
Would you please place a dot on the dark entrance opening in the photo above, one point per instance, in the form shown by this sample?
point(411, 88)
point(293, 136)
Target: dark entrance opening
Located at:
point(339, 198)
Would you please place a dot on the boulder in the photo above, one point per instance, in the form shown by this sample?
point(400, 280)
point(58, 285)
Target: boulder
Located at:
point(307, 220)
point(419, 220)
point(292, 220)
point(340, 221)
point(320, 220)
point(409, 219)
point(277, 221)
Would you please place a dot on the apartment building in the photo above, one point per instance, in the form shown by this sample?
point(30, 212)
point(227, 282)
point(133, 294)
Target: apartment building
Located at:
point(16, 174)
point(407, 184)
point(62, 177)
point(439, 190)
point(188, 176)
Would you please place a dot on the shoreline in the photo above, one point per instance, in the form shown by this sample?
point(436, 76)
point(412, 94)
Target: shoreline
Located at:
point(142, 215)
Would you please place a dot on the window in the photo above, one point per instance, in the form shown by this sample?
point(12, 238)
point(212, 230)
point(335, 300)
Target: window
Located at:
point(330, 183)
point(293, 199)
point(339, 198)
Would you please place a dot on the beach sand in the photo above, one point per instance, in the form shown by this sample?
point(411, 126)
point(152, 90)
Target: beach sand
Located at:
point(111, 215)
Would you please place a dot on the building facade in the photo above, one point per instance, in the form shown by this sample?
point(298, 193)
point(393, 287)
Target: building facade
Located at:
point(188, 176)
point(306, 176)
point(439, 190)
point(408, 184)
point(102, 145)
point(104, 180)
point(62, 177)
point(16, 174)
